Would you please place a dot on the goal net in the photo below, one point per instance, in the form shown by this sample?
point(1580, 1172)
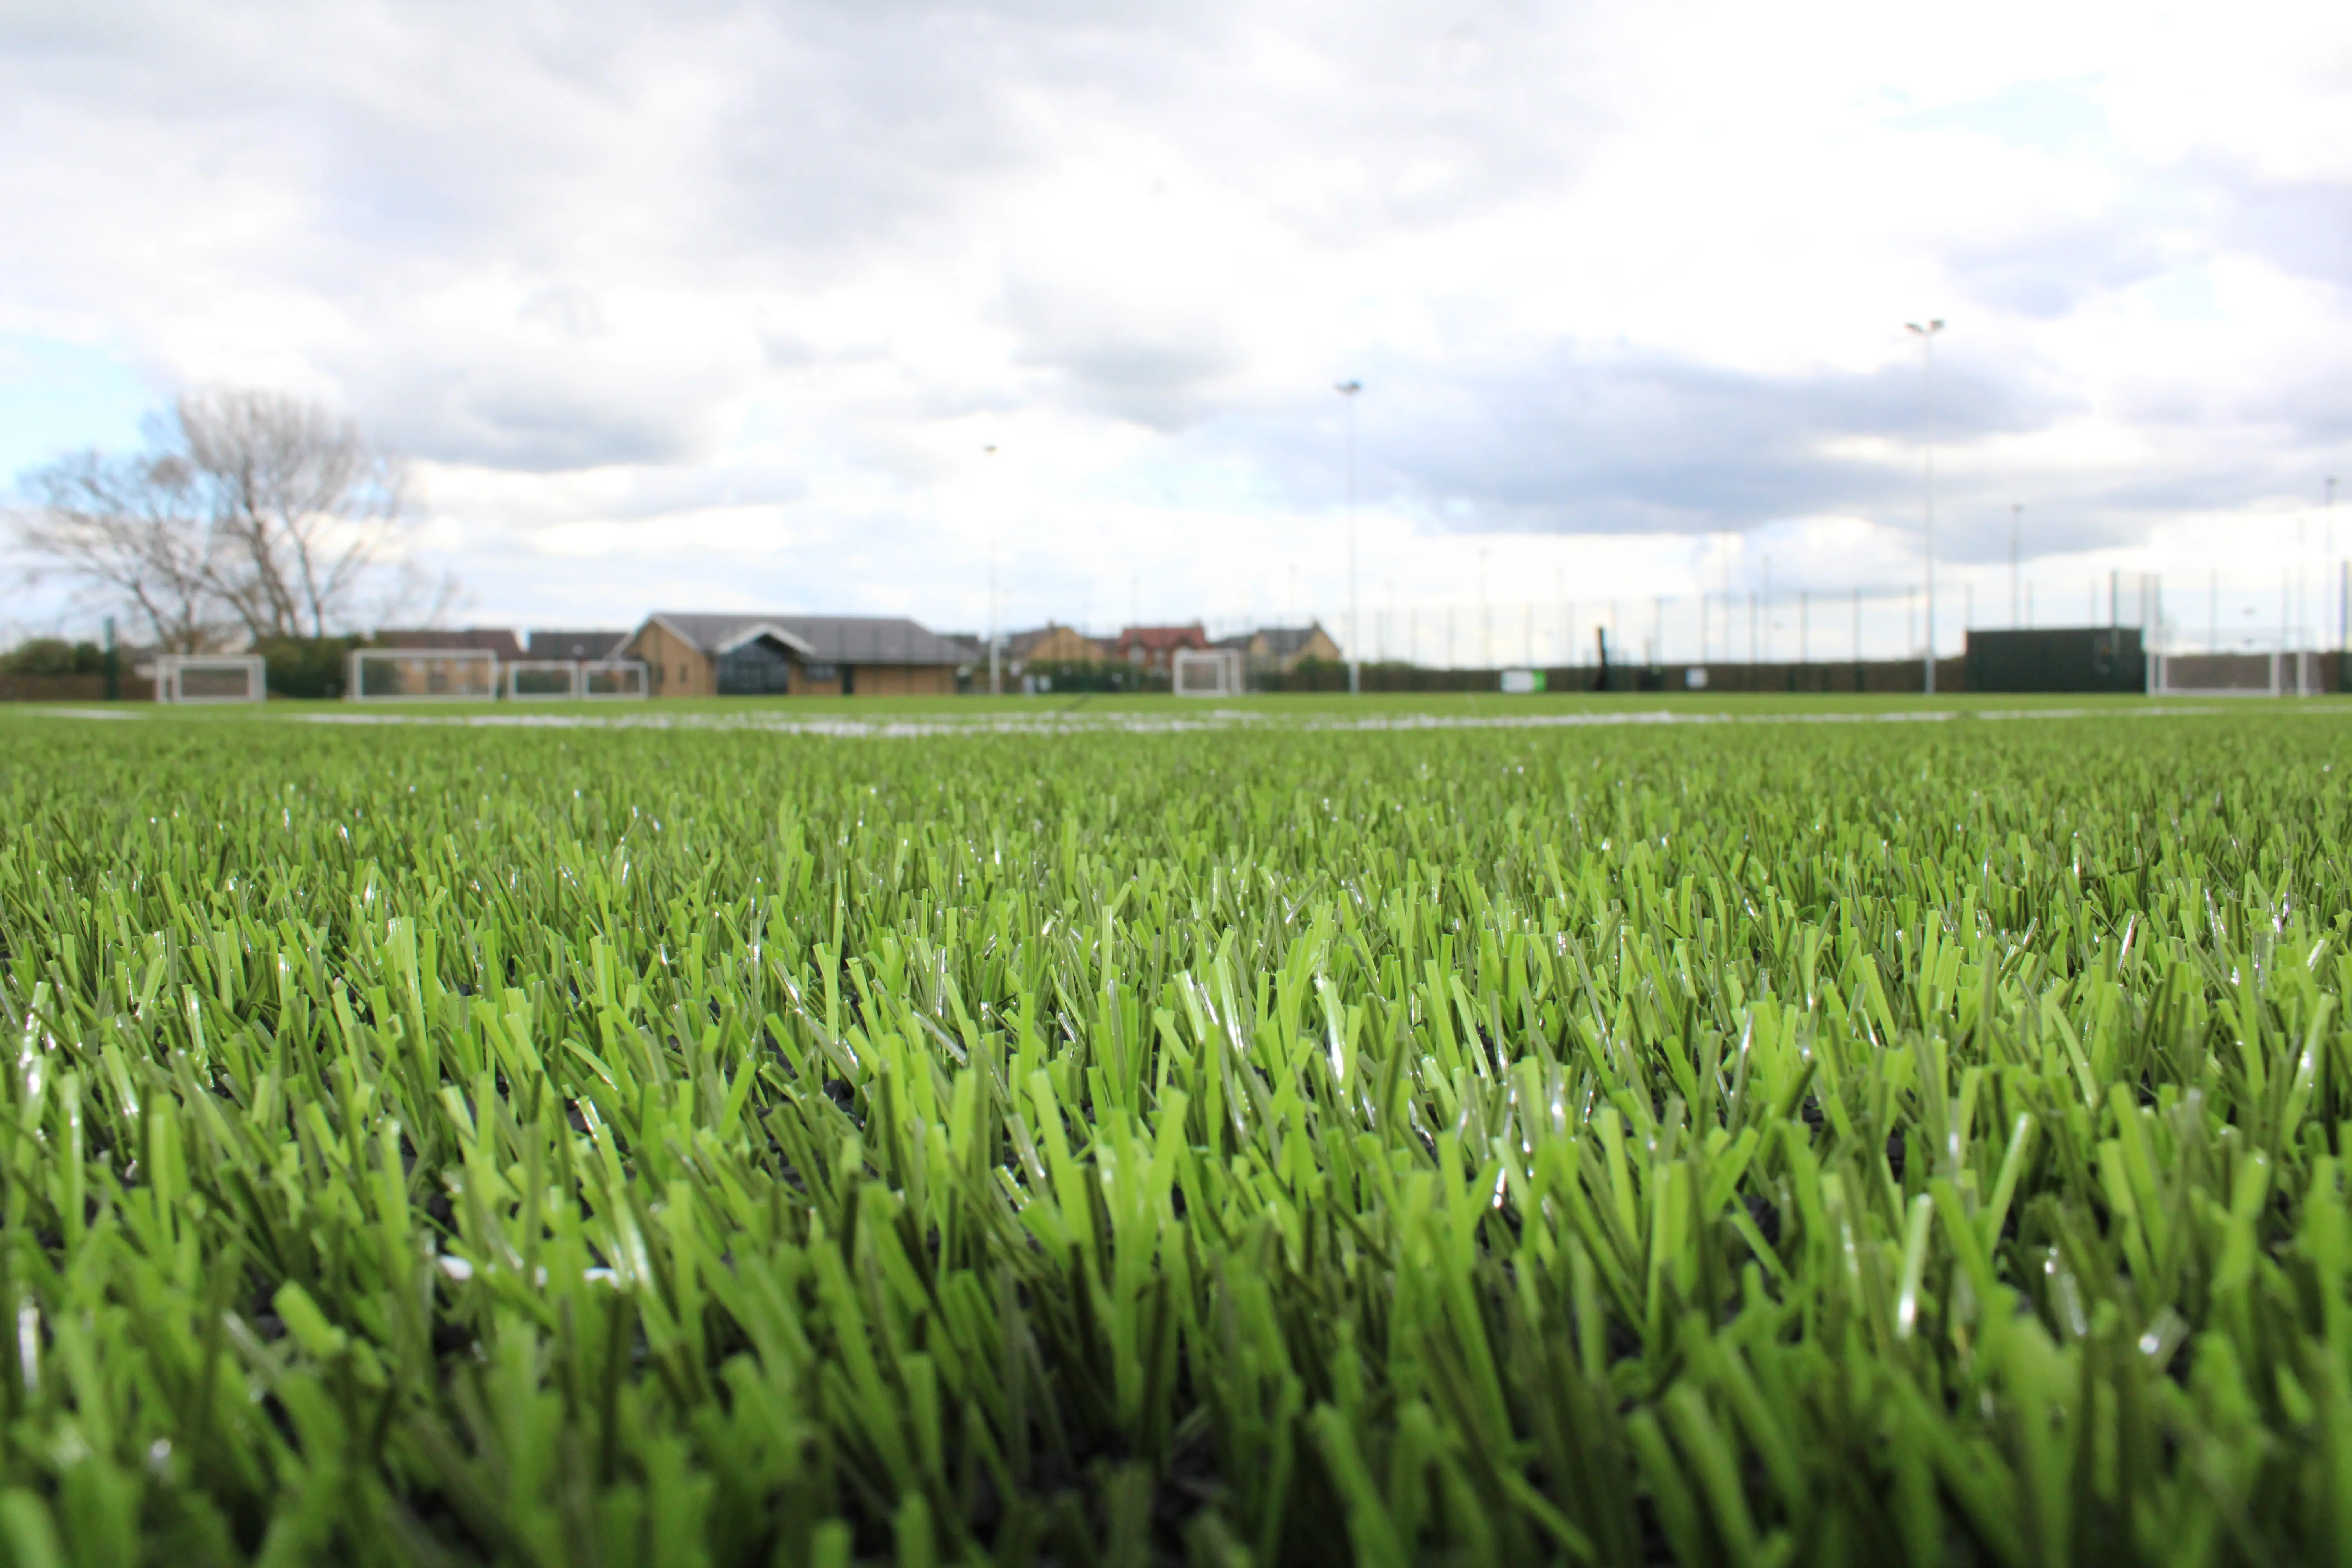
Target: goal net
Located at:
point(210, 678)
point(383, 674)
point(543, 677)
point(2233, 674)
point(621, 678)
point(1207, 672)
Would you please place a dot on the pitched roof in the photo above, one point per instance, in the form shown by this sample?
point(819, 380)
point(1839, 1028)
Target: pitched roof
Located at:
point(1023, 644)
point(1163, 636)
point(1282, 642)
point(575, 645)
point(472, 639)
point(818, 639)
point(1018, 644)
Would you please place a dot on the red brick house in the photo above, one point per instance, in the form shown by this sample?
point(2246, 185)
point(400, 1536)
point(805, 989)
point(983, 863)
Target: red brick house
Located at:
point(1154, 647)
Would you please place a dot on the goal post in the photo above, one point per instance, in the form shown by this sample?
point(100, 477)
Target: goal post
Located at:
point(1207, 672)
point(543, 678)
point(210, 678)
point(2275, 674)
point(421, 674)
point(615, 680)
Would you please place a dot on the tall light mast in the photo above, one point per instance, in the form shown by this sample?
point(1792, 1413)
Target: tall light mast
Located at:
point(1927, 335)
point(1347, 390)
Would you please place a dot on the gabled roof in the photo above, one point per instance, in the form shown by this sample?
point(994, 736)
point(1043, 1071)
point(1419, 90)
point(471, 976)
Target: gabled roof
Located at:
point(472, 639)
point(575, 645)
point(1190, 635)
point(817, 639)
point(1282, 642)
point(1022, 643)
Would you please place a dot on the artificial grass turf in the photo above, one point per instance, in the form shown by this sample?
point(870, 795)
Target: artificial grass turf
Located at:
point(1729, 1144)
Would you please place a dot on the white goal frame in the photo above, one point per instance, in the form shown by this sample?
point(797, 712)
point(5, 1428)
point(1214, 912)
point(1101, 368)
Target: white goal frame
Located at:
point(640, 672)
point(171, 667)
point(2275, 674)
point(1223, 665)
point(355, 674)
point(574, 687)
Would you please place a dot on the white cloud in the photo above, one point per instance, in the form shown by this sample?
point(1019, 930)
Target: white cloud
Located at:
point(720, 301)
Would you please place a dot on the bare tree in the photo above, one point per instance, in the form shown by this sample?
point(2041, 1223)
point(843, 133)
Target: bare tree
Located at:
point(136, 528)
point(301, 506)
point(260, 510)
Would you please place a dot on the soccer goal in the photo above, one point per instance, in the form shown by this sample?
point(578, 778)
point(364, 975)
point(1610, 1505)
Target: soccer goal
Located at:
point(542, 678)
point(1207, 672)
point(210, 678)
point(397, 674)
point(614, 679)
point(2233, 674)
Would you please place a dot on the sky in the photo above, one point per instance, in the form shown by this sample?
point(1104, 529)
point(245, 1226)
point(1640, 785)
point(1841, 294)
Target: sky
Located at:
point(715, 305)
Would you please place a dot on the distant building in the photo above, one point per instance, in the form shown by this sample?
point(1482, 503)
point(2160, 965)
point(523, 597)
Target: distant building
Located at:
point(1284, 648)
point(473, 639)
point(575, 645)
point(690, 654)
point(1052, 644)
point(1154, 647)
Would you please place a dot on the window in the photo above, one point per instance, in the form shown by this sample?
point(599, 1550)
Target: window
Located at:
point(757, 668)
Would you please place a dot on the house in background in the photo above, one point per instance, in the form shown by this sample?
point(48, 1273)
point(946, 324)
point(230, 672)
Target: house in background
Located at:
point(586, 645)
point(690, 654)
point(1282, 649)
point(1050, 644)
point(1154, 647)
point(470, 639)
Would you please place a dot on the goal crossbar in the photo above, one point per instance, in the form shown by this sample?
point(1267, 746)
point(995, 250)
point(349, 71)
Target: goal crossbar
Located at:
point(210, 678)
point(421, 675)
point(615, 679)
point(2273, 674)
point(1206, 672)
point(520, 669)
point(580, 679)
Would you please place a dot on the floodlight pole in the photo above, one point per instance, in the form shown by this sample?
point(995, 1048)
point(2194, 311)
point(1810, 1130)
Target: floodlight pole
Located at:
point(2344, 578)
point(1347, 390)
point(1485, 616)
point(2016, 534)
point(1926, 336)
point(995, 666)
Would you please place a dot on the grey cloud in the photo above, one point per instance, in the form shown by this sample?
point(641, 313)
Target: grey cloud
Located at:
point(2302, 227)
point(569, 309)
point(539, 424)
point(1586, 443)
point(1606, 445)
point(1158, 368)
point(784, 149)
point(792, 351)
point(2050, 273)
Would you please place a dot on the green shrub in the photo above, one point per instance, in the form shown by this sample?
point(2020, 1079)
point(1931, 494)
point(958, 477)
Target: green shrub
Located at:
point(53, 656)
point(306, 667)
